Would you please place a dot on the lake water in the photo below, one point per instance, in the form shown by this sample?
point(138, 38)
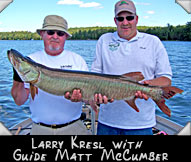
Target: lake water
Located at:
point(179, 55)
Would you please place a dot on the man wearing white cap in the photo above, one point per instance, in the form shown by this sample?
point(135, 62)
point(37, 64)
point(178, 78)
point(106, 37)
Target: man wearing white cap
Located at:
point(128, 50)
point(53, 115)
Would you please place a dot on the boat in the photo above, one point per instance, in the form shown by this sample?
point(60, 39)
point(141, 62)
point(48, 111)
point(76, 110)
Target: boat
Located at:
point(163, 127)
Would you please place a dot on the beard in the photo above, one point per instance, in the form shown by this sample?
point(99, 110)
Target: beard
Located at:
point(52, 48)
point(54, 45)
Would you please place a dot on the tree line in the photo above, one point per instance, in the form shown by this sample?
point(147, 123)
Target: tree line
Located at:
point(170, 32)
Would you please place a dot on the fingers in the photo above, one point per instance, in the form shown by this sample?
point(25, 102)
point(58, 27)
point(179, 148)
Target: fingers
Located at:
point(99, 99)
point(141, 95)
point(67, 95)
point(75, 97)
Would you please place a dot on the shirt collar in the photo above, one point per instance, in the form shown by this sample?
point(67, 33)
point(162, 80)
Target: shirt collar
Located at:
point(117, 38)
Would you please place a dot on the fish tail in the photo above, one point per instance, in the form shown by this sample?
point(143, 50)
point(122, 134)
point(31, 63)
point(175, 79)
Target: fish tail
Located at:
point(168, 92)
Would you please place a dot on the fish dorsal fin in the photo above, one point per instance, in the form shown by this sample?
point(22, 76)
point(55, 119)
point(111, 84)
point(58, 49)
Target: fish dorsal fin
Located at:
point(133, 76)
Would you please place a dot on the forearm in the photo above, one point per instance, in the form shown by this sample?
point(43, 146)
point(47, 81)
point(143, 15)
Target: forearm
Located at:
point(19, 92)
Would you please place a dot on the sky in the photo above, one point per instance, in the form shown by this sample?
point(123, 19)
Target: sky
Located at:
point(28, 15)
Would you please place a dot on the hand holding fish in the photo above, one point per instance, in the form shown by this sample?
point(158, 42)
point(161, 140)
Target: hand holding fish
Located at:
point(75, 97)
point(141, 95)
point(161, 81)
point(99, 99)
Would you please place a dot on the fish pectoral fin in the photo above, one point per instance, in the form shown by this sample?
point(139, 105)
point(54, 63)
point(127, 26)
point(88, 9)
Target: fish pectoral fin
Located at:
point(133, 76)
point(132, 104)
point(33, 91)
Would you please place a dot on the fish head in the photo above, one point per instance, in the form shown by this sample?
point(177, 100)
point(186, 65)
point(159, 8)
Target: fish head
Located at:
point(24, 66)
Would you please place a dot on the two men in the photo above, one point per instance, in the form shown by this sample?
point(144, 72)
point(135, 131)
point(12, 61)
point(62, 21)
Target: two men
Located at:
point(126, 50)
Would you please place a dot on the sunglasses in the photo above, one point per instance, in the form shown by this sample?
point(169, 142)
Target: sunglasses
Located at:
point(128, 18)
point(52, 32)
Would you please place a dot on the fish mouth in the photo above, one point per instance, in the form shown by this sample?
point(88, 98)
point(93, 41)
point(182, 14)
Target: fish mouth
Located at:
point(14, 61)
point(9, 55)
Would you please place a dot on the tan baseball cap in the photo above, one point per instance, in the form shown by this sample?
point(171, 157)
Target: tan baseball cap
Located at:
point(54, 22)
point(124, 5)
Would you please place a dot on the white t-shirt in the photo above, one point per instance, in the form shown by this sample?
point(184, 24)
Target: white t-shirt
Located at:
point(114, 55)
point(52, 109)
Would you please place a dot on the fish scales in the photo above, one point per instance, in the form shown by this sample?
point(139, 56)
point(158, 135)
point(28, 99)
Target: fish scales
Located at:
point(59, 83)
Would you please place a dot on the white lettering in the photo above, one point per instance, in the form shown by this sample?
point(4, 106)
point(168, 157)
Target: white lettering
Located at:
point(61, 155)
point(18, 156)
point(75, 157)
point(33, 147)
point(139, 144)
point(73, 144)
point(111, 155)
point(143, 156)
point(126, 144)
point(164, 156)
point(104, 153)
point(126, 152)
point(47, 144)
point(117, 145)
point(84, 144)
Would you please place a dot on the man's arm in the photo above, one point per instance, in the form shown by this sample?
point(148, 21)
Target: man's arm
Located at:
point(160, 81)
point(19, 92)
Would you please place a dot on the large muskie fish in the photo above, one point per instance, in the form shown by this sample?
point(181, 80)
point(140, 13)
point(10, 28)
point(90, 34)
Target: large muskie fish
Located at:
point(58, 82)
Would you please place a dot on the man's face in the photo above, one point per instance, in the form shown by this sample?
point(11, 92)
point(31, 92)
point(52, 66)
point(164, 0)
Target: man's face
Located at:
point(53, 41)
point(126, 29)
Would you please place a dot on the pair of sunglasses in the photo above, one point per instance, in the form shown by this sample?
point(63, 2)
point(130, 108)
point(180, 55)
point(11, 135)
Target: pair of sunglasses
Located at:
point(52, 32)
point(128, 18)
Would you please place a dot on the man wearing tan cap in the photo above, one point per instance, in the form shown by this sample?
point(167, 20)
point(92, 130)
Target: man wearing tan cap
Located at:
point(128, 50)
point(53, 115)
